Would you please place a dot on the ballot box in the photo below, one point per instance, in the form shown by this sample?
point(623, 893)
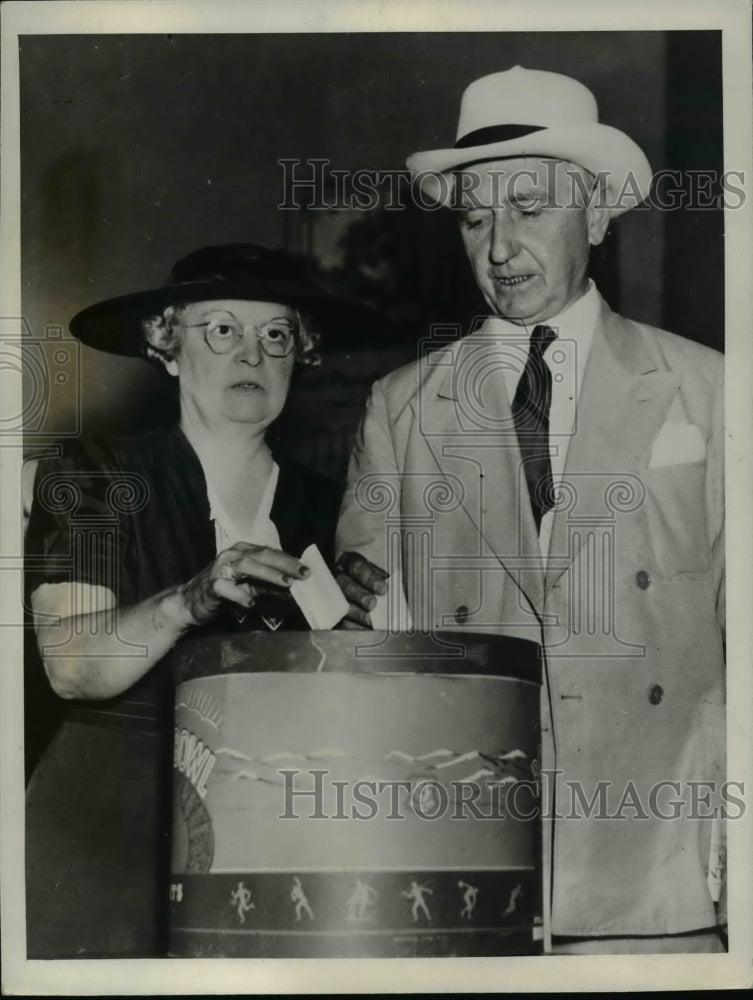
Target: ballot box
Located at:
point(349, 793)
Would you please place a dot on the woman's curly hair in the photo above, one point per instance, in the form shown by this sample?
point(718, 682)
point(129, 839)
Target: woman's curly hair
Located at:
point(163, 337)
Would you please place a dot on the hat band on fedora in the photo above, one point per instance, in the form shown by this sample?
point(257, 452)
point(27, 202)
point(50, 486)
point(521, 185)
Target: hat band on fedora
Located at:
point(496, 133)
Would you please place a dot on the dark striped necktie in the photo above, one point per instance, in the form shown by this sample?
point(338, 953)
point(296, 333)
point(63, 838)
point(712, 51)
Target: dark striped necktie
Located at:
point(530, 411)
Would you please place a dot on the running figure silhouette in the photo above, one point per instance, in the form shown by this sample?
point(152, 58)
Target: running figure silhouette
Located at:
point(241, 900)
point(469, 899)
point(513, 900)
point(417, 893)
point(361, 901)
point(298, 896)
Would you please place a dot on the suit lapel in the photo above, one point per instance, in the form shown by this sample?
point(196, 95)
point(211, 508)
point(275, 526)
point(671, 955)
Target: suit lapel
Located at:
point(466, 415)
point(623, 400)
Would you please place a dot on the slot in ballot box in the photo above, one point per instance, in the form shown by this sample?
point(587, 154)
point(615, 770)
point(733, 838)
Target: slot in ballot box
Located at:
point(341, 794)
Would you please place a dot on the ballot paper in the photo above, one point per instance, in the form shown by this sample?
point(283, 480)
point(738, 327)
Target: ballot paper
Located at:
point(318, 596)
point(391, 612)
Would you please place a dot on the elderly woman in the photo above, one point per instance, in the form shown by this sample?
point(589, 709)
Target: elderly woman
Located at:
point(136, 543)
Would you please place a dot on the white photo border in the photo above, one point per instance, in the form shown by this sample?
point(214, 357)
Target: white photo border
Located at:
point(588, 973)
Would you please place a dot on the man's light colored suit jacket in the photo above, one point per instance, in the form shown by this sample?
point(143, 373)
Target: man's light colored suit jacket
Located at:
point(629, 601)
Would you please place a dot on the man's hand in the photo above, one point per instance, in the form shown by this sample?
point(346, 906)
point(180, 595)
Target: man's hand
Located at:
point(361, 581)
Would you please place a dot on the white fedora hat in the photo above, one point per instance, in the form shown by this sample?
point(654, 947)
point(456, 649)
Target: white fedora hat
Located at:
point(527, 112)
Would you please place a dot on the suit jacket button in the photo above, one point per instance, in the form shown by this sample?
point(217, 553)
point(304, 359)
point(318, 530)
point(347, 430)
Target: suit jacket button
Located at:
point(656, 694)
point(642, 579)
point(461, 614)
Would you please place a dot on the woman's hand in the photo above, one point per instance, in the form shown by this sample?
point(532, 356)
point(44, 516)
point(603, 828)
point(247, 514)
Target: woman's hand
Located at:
point(237, 575)
point(360, 581)
point(90, 654)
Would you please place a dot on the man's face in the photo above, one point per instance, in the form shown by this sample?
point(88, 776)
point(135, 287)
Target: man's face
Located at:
point(527, 234)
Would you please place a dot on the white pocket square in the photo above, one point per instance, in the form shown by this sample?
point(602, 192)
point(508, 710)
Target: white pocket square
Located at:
point(676, 444)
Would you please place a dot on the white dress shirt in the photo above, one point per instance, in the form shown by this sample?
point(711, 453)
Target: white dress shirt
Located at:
point(566, 360)
point(263, 531)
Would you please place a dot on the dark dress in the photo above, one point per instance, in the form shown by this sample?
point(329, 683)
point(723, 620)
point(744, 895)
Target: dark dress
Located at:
point(131, 515)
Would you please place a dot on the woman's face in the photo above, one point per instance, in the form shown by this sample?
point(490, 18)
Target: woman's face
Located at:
point(223, 362)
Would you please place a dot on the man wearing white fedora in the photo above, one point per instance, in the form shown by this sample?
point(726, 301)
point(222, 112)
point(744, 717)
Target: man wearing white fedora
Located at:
point(565, 465)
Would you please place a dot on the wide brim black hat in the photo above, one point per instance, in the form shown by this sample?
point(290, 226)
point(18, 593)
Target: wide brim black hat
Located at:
point(232, 271)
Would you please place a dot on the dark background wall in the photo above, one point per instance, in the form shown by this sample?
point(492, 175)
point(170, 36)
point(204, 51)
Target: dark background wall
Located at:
point(694, 240)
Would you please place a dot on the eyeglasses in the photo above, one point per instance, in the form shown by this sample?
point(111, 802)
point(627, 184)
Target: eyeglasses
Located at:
point(276, 338)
